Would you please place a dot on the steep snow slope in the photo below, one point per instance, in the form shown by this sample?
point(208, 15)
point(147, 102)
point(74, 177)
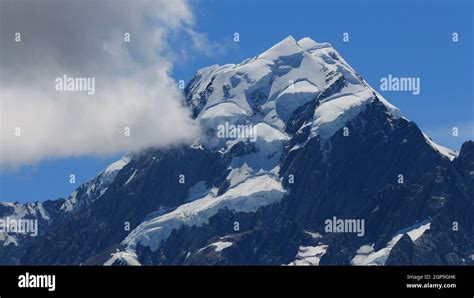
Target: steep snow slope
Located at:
point(367, 256)
point(246, 196)
point(95, 188)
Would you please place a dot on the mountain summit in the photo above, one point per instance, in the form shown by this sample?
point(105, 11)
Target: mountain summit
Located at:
point(300, 162)
point(275, 83)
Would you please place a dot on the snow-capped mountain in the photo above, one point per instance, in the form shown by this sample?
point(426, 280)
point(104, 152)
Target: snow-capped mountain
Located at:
point(292, 138)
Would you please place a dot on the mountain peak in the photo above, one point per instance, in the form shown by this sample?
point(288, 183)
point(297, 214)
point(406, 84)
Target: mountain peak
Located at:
point(286, 47)
point(290, 38)
point(273, 85)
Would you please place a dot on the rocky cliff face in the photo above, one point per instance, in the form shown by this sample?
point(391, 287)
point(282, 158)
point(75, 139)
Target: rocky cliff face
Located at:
point(300, 162)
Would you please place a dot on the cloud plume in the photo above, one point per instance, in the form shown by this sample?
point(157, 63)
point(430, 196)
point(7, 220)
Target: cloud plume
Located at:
point(136, 103)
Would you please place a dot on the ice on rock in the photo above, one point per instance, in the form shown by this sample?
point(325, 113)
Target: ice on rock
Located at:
point(123, 258)
point(293, 97)
point(310, 69)
point(239, 174)
point(449, 153)
point(218, 246)
point(221, 113)
point(367, 256)
point(247, 196)
point(333, 114)
point(269, 134)
point(97, 185)
point(118, 165)
point(309, 255)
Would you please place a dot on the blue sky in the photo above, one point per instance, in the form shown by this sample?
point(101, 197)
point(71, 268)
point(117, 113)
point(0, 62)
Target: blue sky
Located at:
point(402, 38)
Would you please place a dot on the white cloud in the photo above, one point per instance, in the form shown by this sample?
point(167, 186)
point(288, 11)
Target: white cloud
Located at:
point(133, 86)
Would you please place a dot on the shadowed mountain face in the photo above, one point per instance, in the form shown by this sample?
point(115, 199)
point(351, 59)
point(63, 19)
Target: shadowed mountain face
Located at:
point(329, 174)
